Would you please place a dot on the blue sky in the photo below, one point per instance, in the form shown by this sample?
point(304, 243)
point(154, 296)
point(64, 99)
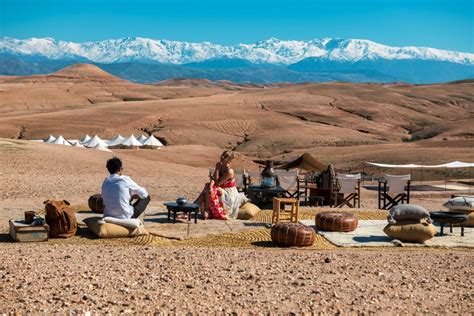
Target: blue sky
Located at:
point(447, 24)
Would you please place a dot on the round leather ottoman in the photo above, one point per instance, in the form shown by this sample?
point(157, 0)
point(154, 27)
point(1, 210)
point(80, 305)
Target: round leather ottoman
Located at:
point(96, 203)
point(336, 221)
point(292, 234)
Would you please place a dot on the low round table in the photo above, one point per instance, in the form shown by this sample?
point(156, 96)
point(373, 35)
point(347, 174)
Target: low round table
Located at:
point(187, 208)
point(449, 218)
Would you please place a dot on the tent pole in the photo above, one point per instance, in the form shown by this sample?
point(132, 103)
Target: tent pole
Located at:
point(445, 179)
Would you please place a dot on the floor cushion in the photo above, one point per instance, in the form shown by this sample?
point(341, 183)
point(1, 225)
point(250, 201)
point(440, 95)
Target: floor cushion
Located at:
point(408, 211)
point(292, 234)
point(336, 221)
point(460, 203)
point(103, 229)
point(130, 223)
point(248, 211)
point(411, 231)
point(470, 218)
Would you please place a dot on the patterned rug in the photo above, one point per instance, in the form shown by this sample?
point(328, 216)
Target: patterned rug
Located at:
point(256, 238)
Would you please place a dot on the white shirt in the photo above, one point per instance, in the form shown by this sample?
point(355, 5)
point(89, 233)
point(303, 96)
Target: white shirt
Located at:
point(116, 192)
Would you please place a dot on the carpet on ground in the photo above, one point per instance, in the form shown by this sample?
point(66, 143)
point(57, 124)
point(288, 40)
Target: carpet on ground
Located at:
point(370, 233)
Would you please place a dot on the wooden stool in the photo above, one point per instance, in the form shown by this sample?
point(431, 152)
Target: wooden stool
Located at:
point(280, 213)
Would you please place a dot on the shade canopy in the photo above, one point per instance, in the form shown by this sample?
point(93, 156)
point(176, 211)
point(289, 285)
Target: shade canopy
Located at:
point(449, 165)
point(305, 162)
point(101, 147)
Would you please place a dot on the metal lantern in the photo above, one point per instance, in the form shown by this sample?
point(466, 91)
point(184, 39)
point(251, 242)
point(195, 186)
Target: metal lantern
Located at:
point(268, 175)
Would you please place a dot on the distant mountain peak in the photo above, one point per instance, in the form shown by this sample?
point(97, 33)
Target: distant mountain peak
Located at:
point(269, 51)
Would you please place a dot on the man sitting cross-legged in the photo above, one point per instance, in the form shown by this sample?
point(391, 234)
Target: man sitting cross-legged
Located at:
point(118, 191)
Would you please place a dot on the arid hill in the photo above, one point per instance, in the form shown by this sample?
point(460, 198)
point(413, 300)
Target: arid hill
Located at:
point(261, 121)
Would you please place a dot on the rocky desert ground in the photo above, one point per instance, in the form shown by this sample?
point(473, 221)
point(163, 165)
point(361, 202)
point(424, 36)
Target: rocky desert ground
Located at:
point(346, 124)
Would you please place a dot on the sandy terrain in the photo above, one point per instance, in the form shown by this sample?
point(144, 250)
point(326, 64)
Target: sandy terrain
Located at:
point(150, 280)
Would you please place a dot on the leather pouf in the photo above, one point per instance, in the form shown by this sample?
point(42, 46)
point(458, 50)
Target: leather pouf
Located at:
point(292, 234)
point(336, 222)
point(96, 203)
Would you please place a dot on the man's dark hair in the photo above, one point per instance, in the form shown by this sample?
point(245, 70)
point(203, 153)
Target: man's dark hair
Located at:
point(114, 164)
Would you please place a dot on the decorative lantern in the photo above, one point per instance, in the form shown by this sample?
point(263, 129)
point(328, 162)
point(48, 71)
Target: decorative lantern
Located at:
point(268, 175)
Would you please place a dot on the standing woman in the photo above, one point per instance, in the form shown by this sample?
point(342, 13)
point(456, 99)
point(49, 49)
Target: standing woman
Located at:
point(220, 198)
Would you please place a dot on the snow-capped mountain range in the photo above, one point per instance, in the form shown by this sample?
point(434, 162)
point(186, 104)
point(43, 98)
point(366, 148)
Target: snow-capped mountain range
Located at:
point(271, 51)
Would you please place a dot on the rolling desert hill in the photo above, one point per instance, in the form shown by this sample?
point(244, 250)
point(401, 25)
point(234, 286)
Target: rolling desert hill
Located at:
point(256, 120)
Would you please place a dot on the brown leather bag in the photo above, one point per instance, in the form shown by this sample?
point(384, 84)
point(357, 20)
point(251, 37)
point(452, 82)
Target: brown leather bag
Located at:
point(60, 218)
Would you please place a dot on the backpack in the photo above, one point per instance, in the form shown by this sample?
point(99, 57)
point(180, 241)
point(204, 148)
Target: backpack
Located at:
point(60, 218)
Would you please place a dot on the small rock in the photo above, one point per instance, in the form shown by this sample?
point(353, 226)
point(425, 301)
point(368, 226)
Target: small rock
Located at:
point(327, 260)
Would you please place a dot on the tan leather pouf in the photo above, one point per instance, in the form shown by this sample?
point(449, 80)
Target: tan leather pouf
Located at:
point(96, 203)
point(292, 234)
point(336, 221)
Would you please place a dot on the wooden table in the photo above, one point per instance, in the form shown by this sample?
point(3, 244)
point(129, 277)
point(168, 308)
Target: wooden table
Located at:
point(187, 208)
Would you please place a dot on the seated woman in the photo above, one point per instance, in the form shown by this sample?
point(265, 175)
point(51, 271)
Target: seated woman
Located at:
point(220, 198)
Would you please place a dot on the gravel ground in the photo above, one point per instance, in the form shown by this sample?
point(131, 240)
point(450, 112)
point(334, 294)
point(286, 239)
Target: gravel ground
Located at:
point(63, 278)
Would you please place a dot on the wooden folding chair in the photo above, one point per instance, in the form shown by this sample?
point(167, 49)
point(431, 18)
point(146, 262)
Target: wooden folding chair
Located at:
point(393, 190)
point(347, 192)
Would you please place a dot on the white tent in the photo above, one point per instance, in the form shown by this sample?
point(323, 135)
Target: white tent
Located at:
point(50, 139)
point(450, 165)
point(116, 141)
point(131, 142)
point(101, 147)
point(94, 141)
point(61, 141)
point(142, 139)
point(85, 139)
point(78, 145)
point(152, 142)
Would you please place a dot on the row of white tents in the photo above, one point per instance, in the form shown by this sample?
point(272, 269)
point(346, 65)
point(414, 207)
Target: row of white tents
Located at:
point(118, 142)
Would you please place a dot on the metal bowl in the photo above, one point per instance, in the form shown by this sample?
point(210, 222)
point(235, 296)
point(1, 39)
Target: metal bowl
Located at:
point(181, 201)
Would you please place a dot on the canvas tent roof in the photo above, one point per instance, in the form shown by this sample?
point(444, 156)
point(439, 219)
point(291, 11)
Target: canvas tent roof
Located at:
point(101, 147)
point(117, 140)
point(85, 139)
point(78, 144)
point(152, 141)
point(449, 165)
point(305, 162)
point(50, 139)
point(131, 141)
point(95, 141)
point(60, 141)
point(142, 139)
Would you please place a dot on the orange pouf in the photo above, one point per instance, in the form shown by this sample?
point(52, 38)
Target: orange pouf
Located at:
point(292, 234)
point(336, 221)
point(96, 203)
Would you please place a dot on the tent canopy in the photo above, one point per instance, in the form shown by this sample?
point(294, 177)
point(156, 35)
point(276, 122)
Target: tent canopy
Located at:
point(450, 165)
point(305, 162)
point(152, 141)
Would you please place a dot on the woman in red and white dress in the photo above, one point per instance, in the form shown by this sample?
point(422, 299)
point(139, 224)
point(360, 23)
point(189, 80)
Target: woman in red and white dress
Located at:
point(220, 198)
